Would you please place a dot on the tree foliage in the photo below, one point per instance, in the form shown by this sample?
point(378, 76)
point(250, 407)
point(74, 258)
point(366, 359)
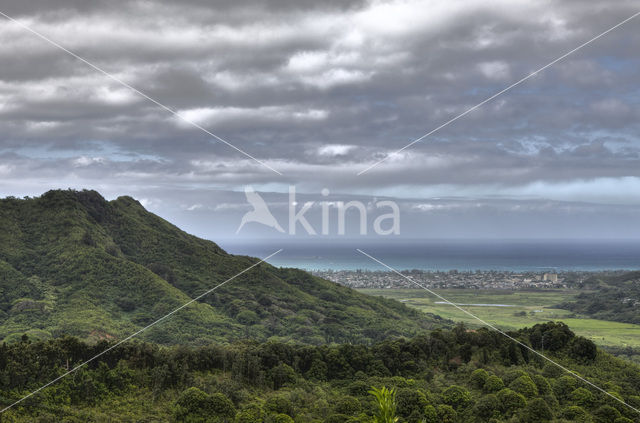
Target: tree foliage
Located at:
point(264, 382)
point(385, 404)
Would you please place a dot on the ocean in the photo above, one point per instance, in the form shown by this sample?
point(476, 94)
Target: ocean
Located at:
point(444, 255)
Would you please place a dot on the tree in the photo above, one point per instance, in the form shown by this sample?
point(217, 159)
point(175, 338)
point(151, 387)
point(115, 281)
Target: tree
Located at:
point(247, 317)
point(347, 405)
point(337, 365)
point(512, 375)
point(525, 386)
point(409, 401)
point(479, 377)
point(456, 396)
point(282, 375)
point(582, 397)
point(278, 404)
point(542, 384)
point(282, 418)
point(222, 407)
point(194, 405)
point(606, 414)
point(430, 414)
point(191, 405)
point(609, 399)
point(510, 401)
point(536, 411)
point(386, 402)
point(446, 414)
point(582, 349)
point(318, 370)
point(251, 414)
point(487, 406)
point(550, 336)
point(358, 388)
point(575, 414)
point(493, 384)
point(563, 386)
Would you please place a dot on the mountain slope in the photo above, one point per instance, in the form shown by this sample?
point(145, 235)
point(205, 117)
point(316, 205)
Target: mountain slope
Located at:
point(72, 263)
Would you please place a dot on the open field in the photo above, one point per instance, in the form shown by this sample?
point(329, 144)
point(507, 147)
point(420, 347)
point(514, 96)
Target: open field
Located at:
point(534, 304)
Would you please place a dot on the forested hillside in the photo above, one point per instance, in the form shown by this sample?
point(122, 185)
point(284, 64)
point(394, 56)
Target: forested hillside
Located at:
point(614, 297)
point(446, 376)
point(72, 263)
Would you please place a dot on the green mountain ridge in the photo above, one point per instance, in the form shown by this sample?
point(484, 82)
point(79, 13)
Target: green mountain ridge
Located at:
point(72, 263)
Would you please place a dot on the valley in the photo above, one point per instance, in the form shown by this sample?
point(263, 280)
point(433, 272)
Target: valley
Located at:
point(529, 307)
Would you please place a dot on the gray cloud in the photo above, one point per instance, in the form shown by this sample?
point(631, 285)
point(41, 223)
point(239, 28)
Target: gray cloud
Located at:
point(320, 90)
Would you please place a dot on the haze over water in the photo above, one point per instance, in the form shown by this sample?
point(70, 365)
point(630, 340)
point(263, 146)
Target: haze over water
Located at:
point(444, 255)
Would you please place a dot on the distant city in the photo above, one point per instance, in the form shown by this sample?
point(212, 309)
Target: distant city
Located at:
point(457, 279)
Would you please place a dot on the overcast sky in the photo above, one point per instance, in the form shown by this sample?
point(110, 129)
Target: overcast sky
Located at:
point(320, 90)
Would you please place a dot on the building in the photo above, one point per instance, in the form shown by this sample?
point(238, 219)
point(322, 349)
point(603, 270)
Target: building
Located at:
point(551, 277)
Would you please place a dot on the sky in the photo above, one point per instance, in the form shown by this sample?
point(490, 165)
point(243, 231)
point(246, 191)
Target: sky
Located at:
point(320, 91)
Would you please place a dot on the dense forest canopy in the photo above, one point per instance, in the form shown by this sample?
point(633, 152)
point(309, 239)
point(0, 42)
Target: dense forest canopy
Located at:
point(445, 376)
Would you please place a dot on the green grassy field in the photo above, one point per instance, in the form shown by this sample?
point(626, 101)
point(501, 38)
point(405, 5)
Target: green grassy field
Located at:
point(534, 304)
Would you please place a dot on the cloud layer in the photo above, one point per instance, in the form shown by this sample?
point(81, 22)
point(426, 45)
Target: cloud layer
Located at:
point(319, 91)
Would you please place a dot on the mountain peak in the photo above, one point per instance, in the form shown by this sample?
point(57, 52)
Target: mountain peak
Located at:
point(128, 201)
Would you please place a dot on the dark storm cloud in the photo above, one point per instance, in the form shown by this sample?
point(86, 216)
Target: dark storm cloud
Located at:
point(321, 90)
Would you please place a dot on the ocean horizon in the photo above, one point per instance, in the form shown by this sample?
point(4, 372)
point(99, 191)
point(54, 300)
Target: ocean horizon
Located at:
point(445, 255)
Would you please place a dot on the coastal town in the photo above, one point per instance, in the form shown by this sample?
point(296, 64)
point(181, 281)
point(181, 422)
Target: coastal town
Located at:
point(455, 279)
